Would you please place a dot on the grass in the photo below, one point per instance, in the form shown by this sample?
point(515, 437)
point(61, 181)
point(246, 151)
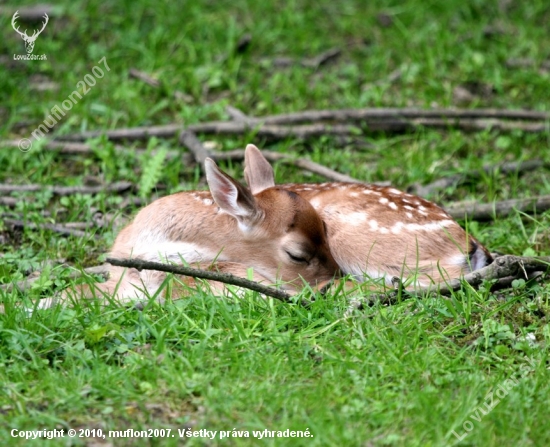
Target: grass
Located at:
point(409, 374)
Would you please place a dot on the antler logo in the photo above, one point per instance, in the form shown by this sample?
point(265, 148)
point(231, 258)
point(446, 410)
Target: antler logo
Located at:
point(29, 40)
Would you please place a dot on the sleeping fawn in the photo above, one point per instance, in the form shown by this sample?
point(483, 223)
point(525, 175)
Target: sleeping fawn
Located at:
point(273, 230)
point(381, 232)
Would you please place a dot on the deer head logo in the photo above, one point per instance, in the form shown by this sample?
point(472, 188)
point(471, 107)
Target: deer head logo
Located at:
point(29, 40)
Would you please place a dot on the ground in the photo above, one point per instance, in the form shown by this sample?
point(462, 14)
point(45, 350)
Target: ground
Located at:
point(470, 369)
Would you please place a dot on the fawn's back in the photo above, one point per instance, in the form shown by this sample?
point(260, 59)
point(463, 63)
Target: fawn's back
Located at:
point(382, 232)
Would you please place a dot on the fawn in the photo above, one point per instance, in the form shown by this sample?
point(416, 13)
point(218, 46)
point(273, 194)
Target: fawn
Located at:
point(381, 232)
point(273, 230)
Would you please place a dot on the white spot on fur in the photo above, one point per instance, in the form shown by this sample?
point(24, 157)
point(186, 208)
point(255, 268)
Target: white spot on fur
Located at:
point(383, 200)
point(459, 260)
point(354, 219)
point(407, 207)
point(409, 215)
point(373, 224)
point(396, 228)
point(384, 230)
point(395, 191)
point(207, 201)
point(432, 226)
point(315, 202)
point(392, 205)
point(354, 194)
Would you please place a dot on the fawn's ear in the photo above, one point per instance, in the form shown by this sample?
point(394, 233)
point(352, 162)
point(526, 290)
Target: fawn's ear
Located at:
point(257, 172)
point(230, 195)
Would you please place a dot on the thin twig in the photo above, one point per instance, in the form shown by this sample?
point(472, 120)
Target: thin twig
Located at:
point(144, 77)
point(311, 166)
point(391, 78)
point(133, 133)
point(302, 163)
point(8, 201)
point(65, 147)
point(30, 14)
point(503, 267)
point(220, 128)
point(322, 59)
point(225, 278)
point(502, 271)
point(309, 62)
point(488, 211)
point(374, 120)
point(117, 187)
point(237, 115)
point(56, 228)
point(526, 63)
point(373, 114)
point(457, 179)
point(189, 140)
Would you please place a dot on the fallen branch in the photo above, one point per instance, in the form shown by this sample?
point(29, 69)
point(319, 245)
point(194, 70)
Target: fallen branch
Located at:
point(316, 168)
point(219, 128)
point(8, 201)
point(374, 114)
point(502, 271)
point(237, 115)
point(225, 278)
point(189, 140)
point(374, 120)
point(503, 267)
point(302, 163)
point(60, 229)
point(30, 14)
point(117, 187)
point(65, 147)
point(488, 211)
point(133, 133)
point(527, 63)
point(457, 179)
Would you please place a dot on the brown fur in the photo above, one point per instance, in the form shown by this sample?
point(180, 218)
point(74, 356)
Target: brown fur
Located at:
point(274, 231)
point(378, 232)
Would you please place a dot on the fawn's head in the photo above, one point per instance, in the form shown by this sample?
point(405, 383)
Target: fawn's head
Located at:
point(281, 234)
